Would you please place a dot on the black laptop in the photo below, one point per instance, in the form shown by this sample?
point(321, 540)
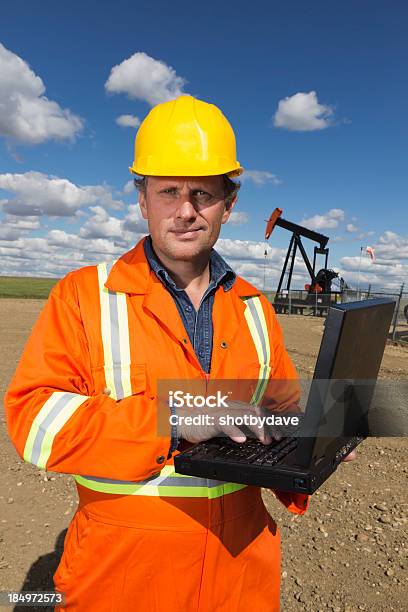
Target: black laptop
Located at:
point(336, 415)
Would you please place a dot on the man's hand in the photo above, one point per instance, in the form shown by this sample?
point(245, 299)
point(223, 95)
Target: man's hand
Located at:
point(351, 456)
point(216, 423)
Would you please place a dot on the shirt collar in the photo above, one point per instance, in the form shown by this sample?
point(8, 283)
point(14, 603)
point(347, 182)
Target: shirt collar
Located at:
point(132, 274)
point(221, 273)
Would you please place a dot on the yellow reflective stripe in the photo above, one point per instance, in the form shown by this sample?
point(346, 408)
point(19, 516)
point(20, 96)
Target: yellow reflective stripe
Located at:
point(115, 337)
point(257, 325)
point(158, 490)
point(52, 417)
point(225, 489)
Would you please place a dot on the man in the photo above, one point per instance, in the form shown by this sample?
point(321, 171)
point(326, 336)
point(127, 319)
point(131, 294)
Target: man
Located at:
point(84, 397)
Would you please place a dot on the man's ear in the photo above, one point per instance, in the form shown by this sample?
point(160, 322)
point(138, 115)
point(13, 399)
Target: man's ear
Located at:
point(142, 204)
point(228, 209)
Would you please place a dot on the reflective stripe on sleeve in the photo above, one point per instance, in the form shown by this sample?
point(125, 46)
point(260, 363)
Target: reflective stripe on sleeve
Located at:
point(52, 417)
point(167, 484)
point(115, 337)
point(255, 318)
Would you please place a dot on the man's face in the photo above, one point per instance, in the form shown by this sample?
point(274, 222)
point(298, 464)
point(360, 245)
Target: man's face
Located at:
point(184, 214)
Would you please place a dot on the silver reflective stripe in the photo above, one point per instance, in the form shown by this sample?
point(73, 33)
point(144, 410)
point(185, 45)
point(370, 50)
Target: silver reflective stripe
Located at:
point(259, 329)
point(257, 325)
point(115, 343)
point(115, 336)
point(52, 417)
point(153, 480)
point(192, 481)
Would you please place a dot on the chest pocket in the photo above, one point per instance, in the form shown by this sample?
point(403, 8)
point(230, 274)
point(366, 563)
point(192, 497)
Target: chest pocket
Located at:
point(115, 339)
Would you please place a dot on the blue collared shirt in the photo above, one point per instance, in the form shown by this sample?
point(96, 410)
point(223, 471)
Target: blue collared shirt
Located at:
point(198, 323)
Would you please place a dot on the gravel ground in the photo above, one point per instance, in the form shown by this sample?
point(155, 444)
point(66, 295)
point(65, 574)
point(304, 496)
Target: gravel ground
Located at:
point(348, 553)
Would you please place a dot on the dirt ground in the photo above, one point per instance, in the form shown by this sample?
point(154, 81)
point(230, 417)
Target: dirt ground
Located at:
point(348, 553)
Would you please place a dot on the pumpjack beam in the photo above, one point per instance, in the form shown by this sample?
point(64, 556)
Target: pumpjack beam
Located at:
point(275, 219)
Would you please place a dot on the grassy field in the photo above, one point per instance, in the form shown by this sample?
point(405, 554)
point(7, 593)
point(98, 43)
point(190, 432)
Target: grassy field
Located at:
point(25, 287)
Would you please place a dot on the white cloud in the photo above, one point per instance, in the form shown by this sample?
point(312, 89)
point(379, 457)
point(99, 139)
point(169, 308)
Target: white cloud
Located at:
point(390, 268)
point(21, 223)
point(338, 239)
point(247, 258)
point(58, 252)
point(101, 225)
point(379, 275)
point(27, 115)
point(238, 218)
point(134, 222)
point(303, 113)
point(142, 77)
point(129, 187)
point(391, 246)
point(350, 227)
point(37, 194)
point(260, 177)
point(28, 248)
point(8, 233)
point(329, 220)
point(363, 235)
point(353, 263)
point(128, 121)
point(102, 237)
point(91, 248)
point(247, 250)
point(12, 228)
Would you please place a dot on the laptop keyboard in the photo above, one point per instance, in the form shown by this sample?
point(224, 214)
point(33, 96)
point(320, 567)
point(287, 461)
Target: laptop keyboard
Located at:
point(250, 452)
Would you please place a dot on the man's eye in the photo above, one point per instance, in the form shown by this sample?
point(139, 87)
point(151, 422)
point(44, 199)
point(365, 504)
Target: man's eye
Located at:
point(200, 193)
point(169, 190)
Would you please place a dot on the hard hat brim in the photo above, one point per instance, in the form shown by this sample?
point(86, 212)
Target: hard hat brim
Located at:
point(230, 173)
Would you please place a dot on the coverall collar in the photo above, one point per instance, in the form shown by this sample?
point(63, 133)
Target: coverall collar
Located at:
point(221, 273)
point(132, 274)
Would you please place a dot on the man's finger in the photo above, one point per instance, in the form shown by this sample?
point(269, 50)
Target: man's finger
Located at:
point(234, 433)
point(275, 433)
point(238, 409)
point(351, 456)
point(270, 431)
point(264, 436)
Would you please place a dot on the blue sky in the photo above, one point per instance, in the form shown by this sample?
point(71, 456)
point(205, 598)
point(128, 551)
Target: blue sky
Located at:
point(316, 93)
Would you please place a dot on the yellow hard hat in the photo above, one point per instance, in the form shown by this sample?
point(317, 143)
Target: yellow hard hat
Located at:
point(185, 137)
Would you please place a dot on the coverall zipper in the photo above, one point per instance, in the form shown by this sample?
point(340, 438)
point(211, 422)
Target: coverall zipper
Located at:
point(207, 375)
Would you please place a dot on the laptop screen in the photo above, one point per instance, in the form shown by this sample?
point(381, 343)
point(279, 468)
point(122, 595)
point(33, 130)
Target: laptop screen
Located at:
point(345, 374)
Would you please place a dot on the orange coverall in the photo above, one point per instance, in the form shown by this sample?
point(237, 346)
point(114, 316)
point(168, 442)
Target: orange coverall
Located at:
point(126, 549)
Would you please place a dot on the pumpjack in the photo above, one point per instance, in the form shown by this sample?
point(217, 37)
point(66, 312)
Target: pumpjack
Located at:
point(319, 290)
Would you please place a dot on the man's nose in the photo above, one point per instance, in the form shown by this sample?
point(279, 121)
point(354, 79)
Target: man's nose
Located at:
point(186, 210)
